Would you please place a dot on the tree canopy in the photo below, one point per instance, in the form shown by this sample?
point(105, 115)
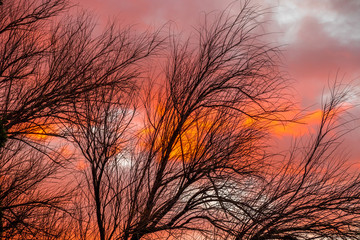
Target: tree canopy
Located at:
point(94, 146)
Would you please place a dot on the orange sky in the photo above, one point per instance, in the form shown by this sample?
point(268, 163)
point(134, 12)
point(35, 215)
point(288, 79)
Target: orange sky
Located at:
point(320, 39)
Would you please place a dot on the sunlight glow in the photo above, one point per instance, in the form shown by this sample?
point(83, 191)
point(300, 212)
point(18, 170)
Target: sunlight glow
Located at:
point(300, 127)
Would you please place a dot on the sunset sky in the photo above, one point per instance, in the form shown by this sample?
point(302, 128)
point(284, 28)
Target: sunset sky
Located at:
point(320, 39)
point(179, 119)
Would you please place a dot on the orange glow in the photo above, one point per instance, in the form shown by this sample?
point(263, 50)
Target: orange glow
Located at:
point(41, 132)
point(249, 122)
point(81, 165)
point(35, 131)
point(301, 127)
point(298, 127)
point(189, 141)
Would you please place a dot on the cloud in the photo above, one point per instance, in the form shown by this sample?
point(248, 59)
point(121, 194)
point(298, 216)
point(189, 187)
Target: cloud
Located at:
point(184, 13)
point(340, 19)
point(322, 42)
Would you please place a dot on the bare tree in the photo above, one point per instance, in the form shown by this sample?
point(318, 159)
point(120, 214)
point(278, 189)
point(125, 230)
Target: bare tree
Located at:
point(309, 194)
point(99, 131)
point(200, 164)
point(46, 66)
point(192, 160)
point(203, 129)
point(29, 196)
